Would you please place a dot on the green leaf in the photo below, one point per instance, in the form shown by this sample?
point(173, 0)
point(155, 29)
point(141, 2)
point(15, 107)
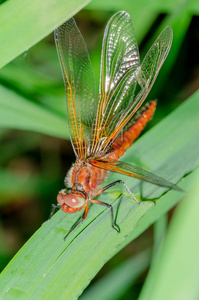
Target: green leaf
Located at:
point(48, 267)
point(115, 283)
point(175, 271)
point(25, 22)
point(24, 186)
point(179, 20)
point(19, 113)
point(160, 228)
point(137, 6)
point(142, 18)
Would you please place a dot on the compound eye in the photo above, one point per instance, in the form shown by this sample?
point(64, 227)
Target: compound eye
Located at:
point(71, 200)
point(60, 198)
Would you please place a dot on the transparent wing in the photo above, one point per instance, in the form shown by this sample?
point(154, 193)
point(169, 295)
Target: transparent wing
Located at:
point(124, 82)
point(119, 63)
point(132, 171)
point(79, 83)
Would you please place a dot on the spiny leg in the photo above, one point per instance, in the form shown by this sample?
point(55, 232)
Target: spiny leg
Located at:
point(54, 207)
point(80, 221)
point(111, 208)
point(126, 187)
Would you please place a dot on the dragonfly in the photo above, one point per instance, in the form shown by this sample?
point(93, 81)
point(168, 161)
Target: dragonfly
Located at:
point(102, 127)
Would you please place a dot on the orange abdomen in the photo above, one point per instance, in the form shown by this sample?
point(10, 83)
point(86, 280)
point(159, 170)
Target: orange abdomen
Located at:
point(123, 142)
point(89, 176)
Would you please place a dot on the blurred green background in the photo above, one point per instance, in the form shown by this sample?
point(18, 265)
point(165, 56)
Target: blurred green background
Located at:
point(35, 151)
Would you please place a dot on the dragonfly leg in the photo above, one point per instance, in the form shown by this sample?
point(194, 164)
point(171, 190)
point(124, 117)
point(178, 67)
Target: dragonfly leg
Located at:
point(113, 184)
point(80, 221)
point(54, 207)
point(126, 187)
point(111, 208)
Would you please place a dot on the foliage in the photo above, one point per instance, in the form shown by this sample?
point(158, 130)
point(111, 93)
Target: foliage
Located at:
point(33, 160)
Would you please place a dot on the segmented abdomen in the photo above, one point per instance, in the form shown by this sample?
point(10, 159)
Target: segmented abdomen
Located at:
point(88, 176)
point(123, 142)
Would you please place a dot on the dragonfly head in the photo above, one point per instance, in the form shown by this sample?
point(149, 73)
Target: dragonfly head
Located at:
point(70, 203)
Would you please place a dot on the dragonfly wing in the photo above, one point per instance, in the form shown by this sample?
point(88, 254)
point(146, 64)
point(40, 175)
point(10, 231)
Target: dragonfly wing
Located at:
point(154, 59)
point(124, 82)
point(119, 63)
point(132, 171)
point(79, 83)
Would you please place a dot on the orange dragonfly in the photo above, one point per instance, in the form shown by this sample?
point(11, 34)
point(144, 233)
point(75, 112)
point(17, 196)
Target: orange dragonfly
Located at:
point(101, 128)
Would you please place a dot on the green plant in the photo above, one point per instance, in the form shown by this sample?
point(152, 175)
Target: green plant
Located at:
point(33, 99)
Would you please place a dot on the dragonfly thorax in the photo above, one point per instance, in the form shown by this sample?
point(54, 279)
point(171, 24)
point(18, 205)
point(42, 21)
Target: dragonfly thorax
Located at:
point(84, 178)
